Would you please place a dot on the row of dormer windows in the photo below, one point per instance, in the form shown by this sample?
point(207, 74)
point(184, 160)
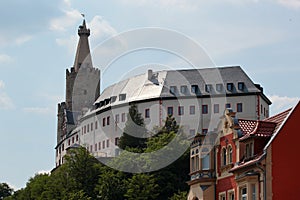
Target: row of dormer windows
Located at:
point(208, 88)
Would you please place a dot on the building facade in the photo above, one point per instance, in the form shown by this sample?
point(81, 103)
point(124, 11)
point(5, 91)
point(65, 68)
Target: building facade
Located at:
point(195, 97)
point(248, 159)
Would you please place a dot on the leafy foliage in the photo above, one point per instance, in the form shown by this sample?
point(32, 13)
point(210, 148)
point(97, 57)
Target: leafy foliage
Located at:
point(5, 190)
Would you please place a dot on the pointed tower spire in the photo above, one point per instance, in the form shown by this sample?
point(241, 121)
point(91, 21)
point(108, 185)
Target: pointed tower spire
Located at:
point(83, 57)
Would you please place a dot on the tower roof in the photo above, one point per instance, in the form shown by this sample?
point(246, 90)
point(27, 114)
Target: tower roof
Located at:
point(83, 57)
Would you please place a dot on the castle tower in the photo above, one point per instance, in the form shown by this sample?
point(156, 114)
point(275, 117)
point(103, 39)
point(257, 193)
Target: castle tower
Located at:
point(82, 86)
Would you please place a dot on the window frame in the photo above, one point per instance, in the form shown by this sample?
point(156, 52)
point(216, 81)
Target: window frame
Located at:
point(205, 109)
point(180, 110)
point(192, 109)
point(239, 107)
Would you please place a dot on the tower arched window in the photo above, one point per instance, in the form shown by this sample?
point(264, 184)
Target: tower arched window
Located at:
point(224, 156)
point(229, 154)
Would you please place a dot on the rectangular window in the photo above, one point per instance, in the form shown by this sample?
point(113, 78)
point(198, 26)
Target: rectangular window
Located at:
point(219, 87)
point(192, 132)
point(230, 86)
point(204, 131)
point(231, 195)
point(88, 128)
point(116, 141)
point(253, 187)
point(204, 109)
point(108, 120)
point(228, 105)
point(96, 147)
point(103, 144)
point(107, 143)
point(241, 86)
point(216, 108)
point(77, 138)
point(113, 99)
point(96, 124)
point(243, 193)
point(117, 118)
point(123, 117)
point(192, 110)
point(91, 148)
point(208, 88)
point(69, 142)
point(239, 107)
point(170, 110)
point(180, 110)
point(172, 89)
point(147, 113)
point(103, 121)
point(99, 145)
point(183, 89)
point(72, 140)
point(92, 126)
point(194, 89)
point(122, 97)
point(84, 129)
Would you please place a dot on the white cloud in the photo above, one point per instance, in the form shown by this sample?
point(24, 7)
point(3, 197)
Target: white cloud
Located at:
point(5, 101)
point(69, 19)
point(295, 4)
point(281, 103)
point(5, 58)
point(69, 42)
point(22, 39)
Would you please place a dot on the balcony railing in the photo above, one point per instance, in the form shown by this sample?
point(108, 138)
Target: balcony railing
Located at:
point(203, 174)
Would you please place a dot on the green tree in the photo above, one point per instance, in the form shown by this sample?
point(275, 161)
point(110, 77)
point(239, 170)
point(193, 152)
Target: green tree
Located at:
point(5, 190)
point(142, 187)
point(179, 196)
point(135, 133)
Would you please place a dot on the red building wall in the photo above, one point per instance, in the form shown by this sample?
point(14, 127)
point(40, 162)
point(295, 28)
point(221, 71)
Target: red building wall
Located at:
point(285, 159)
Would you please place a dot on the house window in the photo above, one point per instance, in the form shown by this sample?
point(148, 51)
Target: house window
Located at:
point(123, 117)
point(108, 120)
point(69, 142)
point(96, 147)
point(192, 110)
point(122, 97)
point(92, 126)
point(84, 129)
point(107, 143)
point(204, 131)
point(261, 109)
point(96, 124)
point(230, 86)
point(77, 138)
point(192, 132)
point(205, 161)
point(103, 121)
point(117, 118)
point(239, 107)
point(253, 188)
point(264, 111)
point(147, 113)
point(241, 86)
point(204, 109)
point(72, 140)
point(219, 87)
point(216, 108)
point(117, 141)
point(170, 110)
point(208, 88)
point(243, 193)
point(99, 145)
point(91, 148)
point(113, 99)
point(103, 144)
point(63, 146)
point(172, 89)
point(224, 155)
point(183, 89)
point(231, 195)
point(180, 110)
point(228, 105)
point(229, 154)
point(222, 196)
point(88, 128)
point(194, 89)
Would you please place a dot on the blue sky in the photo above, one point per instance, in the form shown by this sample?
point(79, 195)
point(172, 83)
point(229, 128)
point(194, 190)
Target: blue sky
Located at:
point(38, 41)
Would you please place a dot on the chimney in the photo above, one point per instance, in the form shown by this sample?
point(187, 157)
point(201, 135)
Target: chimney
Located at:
point(150, 73)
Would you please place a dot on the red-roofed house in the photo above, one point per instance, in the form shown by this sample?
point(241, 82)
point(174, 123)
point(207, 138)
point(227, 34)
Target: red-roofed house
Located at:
point(249, 159)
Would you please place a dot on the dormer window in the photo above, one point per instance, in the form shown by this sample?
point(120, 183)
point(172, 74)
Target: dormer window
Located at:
point(249, 150)
point(183, 89)
point(122, 97)
point(172, 89)
point(241, 86)
point(113, 99)
point(230, 86)
point(208, 88)
point(194, 89)
point(219, 87)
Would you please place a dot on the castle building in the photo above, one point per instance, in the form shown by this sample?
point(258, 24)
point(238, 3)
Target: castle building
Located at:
point(247, 159)
point(195, 97)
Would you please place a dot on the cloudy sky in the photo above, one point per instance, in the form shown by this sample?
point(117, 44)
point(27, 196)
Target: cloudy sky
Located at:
point(38, 41)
